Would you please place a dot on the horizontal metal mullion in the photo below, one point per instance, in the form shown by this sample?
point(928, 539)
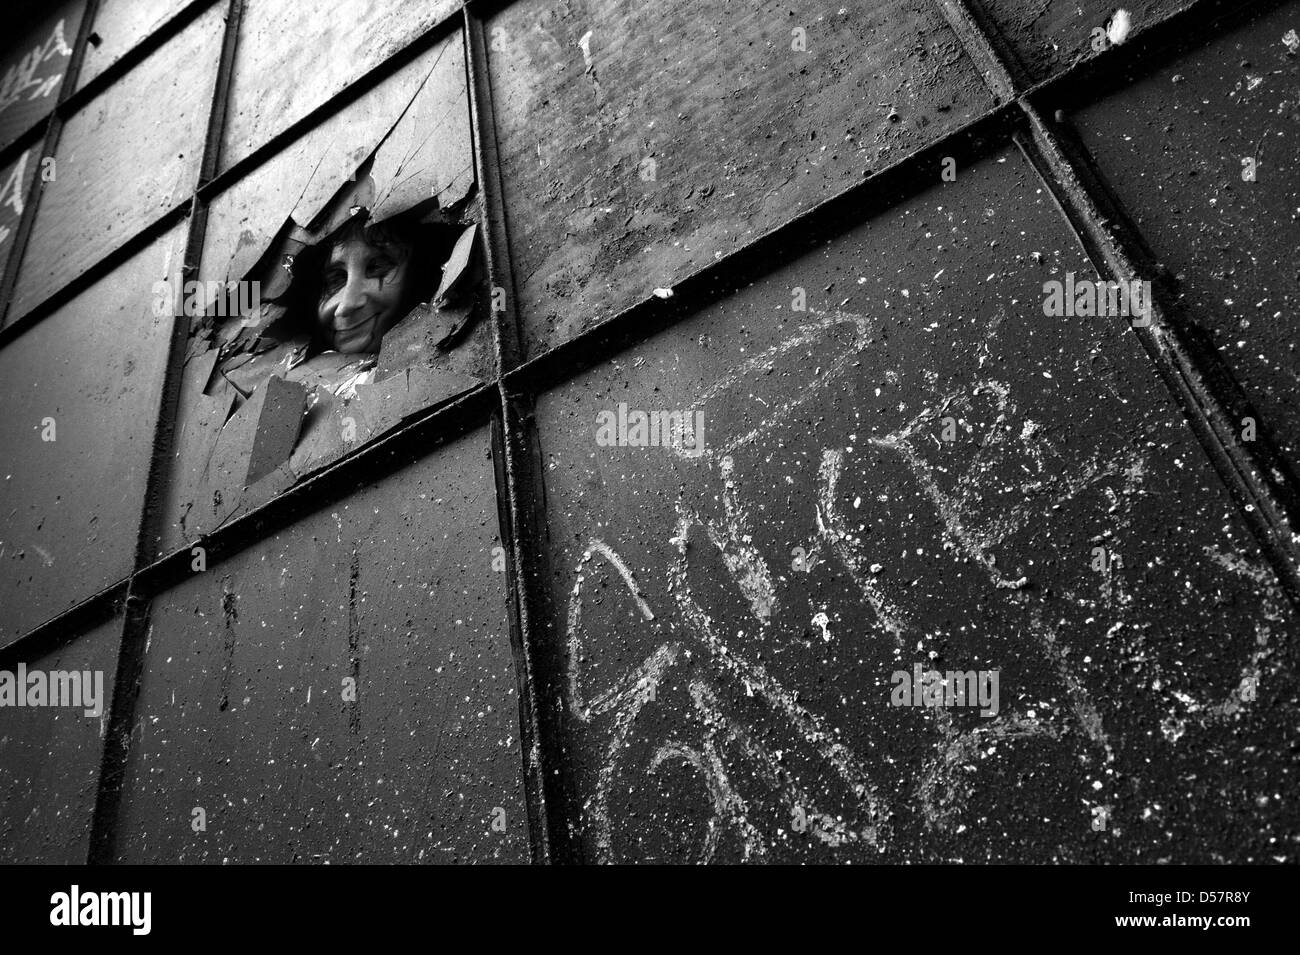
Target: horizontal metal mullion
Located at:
point(483, 9)
point(68, 624)
point(407, 444)
point(33, 135)
point(100, 269)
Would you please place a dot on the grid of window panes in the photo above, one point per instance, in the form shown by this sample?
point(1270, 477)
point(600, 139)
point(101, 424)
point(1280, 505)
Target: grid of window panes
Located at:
point(825, 230)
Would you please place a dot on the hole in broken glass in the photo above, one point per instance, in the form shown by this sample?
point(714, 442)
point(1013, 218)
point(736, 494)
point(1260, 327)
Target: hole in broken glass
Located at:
point(341, 297)
point(347, 335)
point(358, 303)
point(338, 340)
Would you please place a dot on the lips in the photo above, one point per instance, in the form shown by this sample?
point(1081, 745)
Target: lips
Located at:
point(357, 324)
point(359, 333)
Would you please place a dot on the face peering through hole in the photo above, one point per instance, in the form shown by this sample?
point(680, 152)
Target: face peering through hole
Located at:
point(364, 285)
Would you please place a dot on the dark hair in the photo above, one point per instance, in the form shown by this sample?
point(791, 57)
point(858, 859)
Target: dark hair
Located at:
point(420, 244)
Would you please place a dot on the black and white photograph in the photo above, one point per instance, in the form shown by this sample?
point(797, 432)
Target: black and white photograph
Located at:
point(650, 432)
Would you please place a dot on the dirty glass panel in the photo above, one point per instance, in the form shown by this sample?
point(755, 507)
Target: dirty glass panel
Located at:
point(106, 189)
point(51, 743)
point(889, 461)
point(15, 181)
point(81, 397)
point(356, 257)
point(293, 57)
point(1050, 36)
point(1203, 154)
point(639, 144)
point(33, 68)
point(301, 185)
point(119, 26)
point(342, 692)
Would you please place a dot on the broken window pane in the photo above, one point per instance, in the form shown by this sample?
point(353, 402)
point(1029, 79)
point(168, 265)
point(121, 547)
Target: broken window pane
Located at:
point(641, 142)
point(82, 390)
point(431, 148)
point(50, 755)
point(1203, 155)
point(118, 167)
point(334, 42)
point(356, 669)
point(120, 25)
point(895, 459)
point(33, 70)
point(341, 292)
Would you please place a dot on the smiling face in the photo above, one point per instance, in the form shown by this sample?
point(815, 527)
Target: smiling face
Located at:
point(362, 292)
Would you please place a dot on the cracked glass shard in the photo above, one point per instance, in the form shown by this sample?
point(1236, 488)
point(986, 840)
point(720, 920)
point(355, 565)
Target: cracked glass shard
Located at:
point(294, 57)
point(428, 137)
point(454, 271)
point(422, 335)
point(278, 422)
point(198, 442)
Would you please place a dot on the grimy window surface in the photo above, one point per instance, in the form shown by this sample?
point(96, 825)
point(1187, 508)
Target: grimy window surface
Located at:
point(583, 430)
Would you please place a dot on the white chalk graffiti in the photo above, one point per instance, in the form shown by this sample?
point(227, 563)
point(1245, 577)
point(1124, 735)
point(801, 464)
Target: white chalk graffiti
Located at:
point(979, 513)
point(21, 77)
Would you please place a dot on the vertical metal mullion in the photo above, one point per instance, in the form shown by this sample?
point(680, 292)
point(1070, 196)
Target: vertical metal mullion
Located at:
point(487, 166)
point(135, 630)
point(520, 503)
point(1004, 75)
point(49, 143)
point(152, 516)
point(1203, 387)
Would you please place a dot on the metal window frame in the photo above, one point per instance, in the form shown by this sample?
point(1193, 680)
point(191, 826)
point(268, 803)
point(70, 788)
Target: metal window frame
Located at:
point(1261, 483)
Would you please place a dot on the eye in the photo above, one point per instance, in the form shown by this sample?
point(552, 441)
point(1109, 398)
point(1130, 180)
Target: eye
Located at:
point(332, 281)
point(380, 265)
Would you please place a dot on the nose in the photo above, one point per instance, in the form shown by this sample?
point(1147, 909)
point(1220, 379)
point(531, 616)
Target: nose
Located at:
point(352, 297)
